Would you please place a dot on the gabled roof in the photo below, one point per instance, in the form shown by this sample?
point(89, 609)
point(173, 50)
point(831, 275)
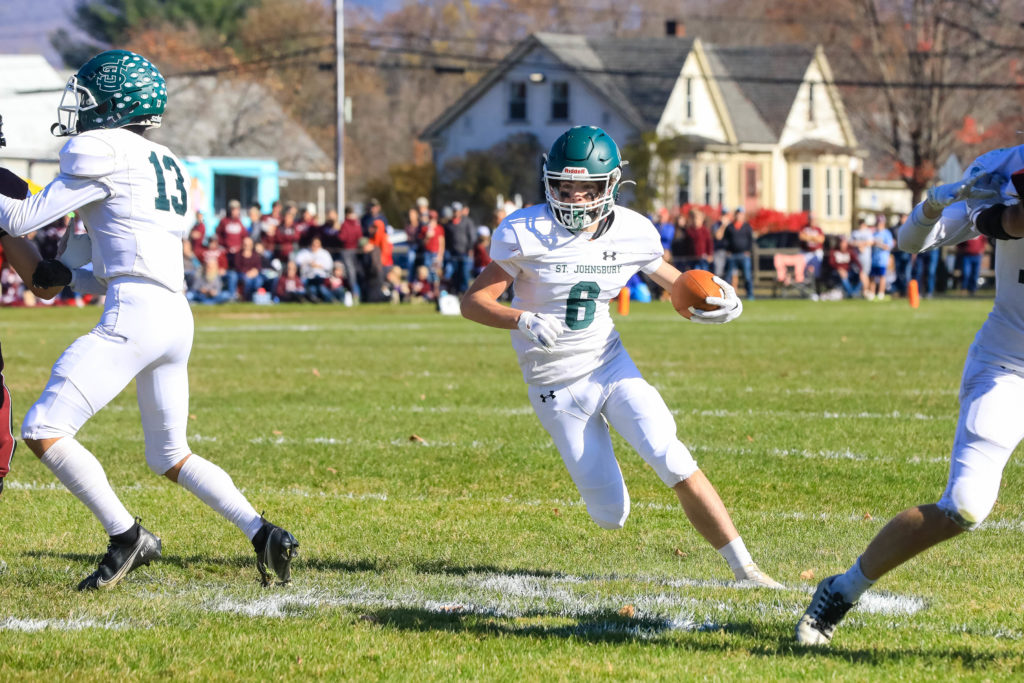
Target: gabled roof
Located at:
point(758, 85)
point(767, 77)
point(239, 119)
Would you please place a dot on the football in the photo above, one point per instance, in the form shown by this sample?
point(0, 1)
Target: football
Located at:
point(691, 289)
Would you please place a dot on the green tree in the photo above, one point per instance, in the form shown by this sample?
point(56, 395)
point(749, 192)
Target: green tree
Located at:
point(511, 167)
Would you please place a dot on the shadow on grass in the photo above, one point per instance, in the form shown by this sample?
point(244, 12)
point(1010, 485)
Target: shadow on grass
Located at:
point(601, 626)
point(442, 567)
point(611, 627)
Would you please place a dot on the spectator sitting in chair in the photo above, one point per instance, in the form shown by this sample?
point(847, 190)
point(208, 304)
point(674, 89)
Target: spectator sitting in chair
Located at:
point(315, 265)
point(289, 285)
point(249, 265)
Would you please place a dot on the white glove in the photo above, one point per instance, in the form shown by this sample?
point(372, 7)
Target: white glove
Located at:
point(74, 251)
point(984, 186)
point(540, 328)
point(729, 306)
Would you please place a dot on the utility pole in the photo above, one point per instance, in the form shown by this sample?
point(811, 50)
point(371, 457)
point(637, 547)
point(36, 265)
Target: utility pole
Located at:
point(339, 93)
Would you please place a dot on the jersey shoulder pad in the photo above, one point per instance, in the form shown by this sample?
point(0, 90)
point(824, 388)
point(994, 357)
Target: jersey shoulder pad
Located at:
point(637, 227)
point(87, 155)
point(534, 231)
point(504, 242)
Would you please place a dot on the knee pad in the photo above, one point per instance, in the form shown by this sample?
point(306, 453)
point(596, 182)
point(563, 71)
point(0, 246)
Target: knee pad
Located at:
point(969, 500)
point(162, 455)
point(608, 506)
point(36, 424)
point(673, 463)
point(609, 516)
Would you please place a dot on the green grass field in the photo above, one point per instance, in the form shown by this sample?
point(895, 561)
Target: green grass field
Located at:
point(466, 553)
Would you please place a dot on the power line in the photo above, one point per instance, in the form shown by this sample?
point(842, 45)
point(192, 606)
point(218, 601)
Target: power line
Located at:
point(463, 62)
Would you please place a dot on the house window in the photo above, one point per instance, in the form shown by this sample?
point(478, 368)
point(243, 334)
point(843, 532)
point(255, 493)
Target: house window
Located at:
point(559, 101)
point(683, 184)
point(689, 99)
point(805, 189)
point(751, 189)
point(810, 102)
point(714, 185)
point(517, 101)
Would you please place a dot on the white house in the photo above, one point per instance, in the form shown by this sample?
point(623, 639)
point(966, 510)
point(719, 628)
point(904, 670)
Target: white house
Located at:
point(761, 127)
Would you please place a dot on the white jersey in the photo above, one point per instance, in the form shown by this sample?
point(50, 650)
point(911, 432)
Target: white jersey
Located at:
point(1001, 339)
point(131, 193)
point(573, 278)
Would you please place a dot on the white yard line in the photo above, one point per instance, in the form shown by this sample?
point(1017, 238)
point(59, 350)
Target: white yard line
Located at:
point(77, 624)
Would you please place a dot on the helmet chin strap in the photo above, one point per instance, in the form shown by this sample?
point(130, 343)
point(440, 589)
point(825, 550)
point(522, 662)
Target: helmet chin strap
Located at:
point(59, 130)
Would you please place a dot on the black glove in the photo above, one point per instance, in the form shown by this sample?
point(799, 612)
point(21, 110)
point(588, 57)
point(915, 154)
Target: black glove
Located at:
point(51, 273)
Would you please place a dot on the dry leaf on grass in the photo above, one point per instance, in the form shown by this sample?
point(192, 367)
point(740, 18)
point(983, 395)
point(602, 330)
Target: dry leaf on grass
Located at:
point(627, 611)
point(807, 575)
point(679, 553)
point(867, 515)
point(316, 373)
point(417, 438)
point(332, 470)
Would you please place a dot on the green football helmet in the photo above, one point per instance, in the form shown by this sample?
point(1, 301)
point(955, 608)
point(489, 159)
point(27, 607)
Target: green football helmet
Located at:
point(582, 154)
point(115, 88)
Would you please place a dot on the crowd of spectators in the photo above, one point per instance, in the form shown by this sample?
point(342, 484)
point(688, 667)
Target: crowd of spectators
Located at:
point(866, 263)
point(290, 254)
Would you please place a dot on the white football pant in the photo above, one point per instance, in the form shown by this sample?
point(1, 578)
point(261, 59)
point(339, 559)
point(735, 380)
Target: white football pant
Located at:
point(577, 416)
point(989, 428)
point(145, 334)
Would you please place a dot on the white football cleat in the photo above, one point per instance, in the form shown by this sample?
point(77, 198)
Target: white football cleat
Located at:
point(751, 575)
point(826, 610)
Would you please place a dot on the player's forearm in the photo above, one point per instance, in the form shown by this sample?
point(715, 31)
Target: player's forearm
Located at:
point(24, 257)
point(489, 312)
point(1013, 220)
point(62, 196)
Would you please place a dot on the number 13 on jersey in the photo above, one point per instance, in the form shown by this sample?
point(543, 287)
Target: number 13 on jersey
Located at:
point(162, 203)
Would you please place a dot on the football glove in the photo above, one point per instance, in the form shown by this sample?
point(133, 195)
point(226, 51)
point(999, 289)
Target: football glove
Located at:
point(540, 328)
point(984, 186)
point(729, 306)
point(51, 273)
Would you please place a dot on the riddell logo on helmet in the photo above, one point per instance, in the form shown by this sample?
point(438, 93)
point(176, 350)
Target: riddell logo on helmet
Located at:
point(575, 170)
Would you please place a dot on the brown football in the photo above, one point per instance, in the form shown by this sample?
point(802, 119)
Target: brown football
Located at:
point(691, 289)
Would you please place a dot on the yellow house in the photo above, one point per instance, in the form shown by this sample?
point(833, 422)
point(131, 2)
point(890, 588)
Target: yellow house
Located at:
point(761, 127)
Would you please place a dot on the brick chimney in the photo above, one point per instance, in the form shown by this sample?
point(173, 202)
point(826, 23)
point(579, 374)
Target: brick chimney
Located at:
point(675, 29)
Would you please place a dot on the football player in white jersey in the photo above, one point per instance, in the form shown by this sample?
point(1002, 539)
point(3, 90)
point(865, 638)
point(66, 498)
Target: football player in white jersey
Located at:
point(133, 197)
point(567, 258)
point(989, 427)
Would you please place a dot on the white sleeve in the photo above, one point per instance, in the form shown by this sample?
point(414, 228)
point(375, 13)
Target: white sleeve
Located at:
point(63, 195)
point(919, 233)
point(83, 281)
point(505, 248)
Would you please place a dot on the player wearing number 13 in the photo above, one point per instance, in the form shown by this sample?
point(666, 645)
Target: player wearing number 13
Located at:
point(132, 195)
point(567, 259)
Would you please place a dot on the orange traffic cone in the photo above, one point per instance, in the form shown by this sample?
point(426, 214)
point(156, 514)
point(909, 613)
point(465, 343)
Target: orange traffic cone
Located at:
point(624, 301)
point(913, 295)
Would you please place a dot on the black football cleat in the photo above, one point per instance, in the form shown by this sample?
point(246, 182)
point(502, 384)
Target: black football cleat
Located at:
point(275, 550)
point(123, 557)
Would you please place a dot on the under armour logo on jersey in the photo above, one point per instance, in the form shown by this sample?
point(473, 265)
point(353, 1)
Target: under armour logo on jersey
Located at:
point(544, 397)
point(609, 255)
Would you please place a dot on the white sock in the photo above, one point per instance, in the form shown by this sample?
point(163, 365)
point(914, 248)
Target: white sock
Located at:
point(212, 485)
point(853, 583)
point(83, 475)
point(736, 554)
